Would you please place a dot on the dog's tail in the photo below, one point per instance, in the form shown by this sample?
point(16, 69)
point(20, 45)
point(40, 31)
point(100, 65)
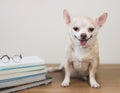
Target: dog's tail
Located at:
point(55, 69)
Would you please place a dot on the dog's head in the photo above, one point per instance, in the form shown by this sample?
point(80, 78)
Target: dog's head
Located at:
point(84, 30)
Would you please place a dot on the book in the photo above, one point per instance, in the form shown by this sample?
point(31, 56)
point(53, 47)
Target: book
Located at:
point(22, 69)
point(21, 80)
point(25, 61)
point(26, 86)
point(13, 75)
point(29, 72)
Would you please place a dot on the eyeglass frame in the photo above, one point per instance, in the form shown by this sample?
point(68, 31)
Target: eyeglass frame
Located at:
point(11, 58)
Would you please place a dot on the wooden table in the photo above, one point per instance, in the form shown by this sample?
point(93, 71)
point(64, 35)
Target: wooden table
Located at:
point(108, 76)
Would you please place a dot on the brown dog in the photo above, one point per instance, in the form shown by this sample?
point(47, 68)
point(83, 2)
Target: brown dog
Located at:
point(82, 55)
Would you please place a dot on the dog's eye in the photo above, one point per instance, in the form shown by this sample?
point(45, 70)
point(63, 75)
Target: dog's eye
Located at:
point(90, 29)
point(76, 29)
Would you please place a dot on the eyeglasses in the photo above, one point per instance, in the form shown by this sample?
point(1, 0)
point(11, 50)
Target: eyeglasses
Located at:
point(15, 58)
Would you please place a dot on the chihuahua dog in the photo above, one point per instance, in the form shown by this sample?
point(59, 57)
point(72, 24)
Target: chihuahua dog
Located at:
point(82, 55)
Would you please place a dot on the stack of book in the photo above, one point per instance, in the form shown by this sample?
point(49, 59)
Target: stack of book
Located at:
point(30, 72)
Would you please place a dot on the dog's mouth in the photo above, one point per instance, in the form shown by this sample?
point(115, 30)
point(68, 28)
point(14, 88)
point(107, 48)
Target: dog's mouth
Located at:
point(83, 41)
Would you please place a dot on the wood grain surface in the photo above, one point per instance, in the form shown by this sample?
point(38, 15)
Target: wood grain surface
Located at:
point(108, 76)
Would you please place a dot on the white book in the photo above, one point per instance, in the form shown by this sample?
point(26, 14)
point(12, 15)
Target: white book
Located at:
point(26, 86)
point(21, 80)
point(24, 69)
point(7, 76)
point(25, 61)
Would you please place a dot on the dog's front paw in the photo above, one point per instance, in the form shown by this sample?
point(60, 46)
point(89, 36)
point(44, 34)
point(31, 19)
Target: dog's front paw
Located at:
point(94, 84)
point(65, 83)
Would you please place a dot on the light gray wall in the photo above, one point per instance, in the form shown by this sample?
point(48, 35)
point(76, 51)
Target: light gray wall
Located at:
point(36, 27)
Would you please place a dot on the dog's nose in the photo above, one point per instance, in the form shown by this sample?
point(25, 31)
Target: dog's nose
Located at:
point(83, 36)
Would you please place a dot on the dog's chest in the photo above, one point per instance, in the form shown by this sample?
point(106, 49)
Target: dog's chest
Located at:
point(81, 52)
point(82, 68)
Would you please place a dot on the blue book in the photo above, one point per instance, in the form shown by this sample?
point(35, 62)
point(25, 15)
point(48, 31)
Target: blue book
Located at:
point(20, 74)
point(22, 80)
point(21, 69)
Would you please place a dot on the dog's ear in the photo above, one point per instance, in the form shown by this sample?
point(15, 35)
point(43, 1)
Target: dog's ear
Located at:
point(66, 16)
point(101, 20)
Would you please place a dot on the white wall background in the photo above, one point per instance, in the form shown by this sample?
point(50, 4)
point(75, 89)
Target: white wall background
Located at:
point(36, 27)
